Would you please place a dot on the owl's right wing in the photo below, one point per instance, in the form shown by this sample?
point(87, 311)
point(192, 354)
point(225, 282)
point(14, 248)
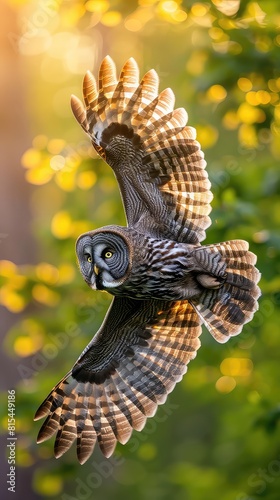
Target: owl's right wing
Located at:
point(158, 163)
point(127, 370)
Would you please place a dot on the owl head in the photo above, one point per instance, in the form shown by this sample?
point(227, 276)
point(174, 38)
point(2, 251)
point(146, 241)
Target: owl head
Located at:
point(104, 257)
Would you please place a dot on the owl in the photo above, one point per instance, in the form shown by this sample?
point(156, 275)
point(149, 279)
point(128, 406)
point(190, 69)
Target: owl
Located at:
point(164, 283)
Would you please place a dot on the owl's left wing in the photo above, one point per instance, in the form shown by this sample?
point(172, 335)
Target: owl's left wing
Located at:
point(158, 163)
point(127, 370)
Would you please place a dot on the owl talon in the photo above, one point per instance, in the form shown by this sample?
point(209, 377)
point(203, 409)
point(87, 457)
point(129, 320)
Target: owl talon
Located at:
point(208, 281)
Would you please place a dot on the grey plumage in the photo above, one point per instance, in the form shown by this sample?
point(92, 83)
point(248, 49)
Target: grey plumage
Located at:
point(165, 284)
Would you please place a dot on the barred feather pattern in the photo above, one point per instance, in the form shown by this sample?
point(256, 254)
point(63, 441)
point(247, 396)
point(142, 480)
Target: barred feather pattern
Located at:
point(166, 166)
point(138, 366)
point(225, 310)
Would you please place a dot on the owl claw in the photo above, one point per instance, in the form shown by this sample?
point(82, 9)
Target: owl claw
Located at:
point(208, 281)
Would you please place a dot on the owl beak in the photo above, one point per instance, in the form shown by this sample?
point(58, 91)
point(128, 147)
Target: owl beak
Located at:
point(96, 269)
point(94, 276)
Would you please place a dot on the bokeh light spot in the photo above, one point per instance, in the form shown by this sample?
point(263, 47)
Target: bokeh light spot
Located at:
point(236, 367)
point(244, 84)
point(25, 346)
point(57, 162)
point(86, 179)
point(207, 135)
point(7, 268)
point(11, 299)
point(97, 5)
point(55, 146)
point(31, 158)
point(225, 384)
point(216, 93)
point(40, 141)
point(169, 6)
point(45, 295)
point(249, 114)
point(231, 120)
point(62, 225)
point(112, 18)
point(47, 273)
point(40, 175)
point(147, 451)
point(199, 9)
point(227, 7)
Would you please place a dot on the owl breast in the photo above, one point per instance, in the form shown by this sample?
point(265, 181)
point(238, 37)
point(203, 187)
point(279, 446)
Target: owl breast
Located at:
point(161, 269)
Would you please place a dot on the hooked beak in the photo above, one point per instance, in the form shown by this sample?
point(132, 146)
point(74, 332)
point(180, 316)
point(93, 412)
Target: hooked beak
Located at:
point(96, 270)
point(94, 275)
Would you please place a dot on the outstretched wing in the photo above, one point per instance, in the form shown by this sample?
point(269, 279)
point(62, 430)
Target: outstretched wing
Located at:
point(157, 161)
point(127, 370)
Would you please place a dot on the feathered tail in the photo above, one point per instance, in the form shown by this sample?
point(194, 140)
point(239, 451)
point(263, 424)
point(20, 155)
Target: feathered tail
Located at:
point(227, 308)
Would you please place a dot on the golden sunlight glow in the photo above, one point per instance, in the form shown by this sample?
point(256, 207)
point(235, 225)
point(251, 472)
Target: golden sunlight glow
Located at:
point(137, 20)
point(249, 114)
point(179, 16)
point(7, 268)
point(216, 93)
point(97, 5)
point(111, 18)
point(26, 346)
point(247, 136)
point(225, 384)
point(169, 6)
point(244, 84)
point(40, 141)
point(227, 7)
point(9, 292)
point(57, 162)
point(199, 9)
point(217, 34)
point(66, 274)
point(231, 120)
point(45, 295)
point(207, 135)
point(66, 180)
point(236, 367)
point(133, 24)
point(47, 273)
point(55, 146)
point(196, 62)
point(263, 97)
point(62, 225)
point(31, 158)
point(41, 174)
point(255, 12)
point(86, 179)
point(11, 300)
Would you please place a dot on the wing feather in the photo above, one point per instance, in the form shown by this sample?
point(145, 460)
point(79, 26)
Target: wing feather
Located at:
point(113, 391)
point(151, 149)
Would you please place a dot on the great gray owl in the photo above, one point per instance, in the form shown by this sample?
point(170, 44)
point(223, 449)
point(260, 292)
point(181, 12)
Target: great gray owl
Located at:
point(165, 284)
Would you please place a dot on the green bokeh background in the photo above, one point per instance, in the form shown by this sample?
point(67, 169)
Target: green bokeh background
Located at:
point(218, 434)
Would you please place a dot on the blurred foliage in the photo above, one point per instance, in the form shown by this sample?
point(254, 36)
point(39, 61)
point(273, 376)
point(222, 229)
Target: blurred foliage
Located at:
point(222, 59)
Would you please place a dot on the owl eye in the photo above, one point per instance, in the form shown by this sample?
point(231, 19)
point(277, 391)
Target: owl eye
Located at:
point(108, 254)
point(88, 257)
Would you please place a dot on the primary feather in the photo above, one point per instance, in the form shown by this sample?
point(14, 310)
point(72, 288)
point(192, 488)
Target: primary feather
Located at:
point(151, 150)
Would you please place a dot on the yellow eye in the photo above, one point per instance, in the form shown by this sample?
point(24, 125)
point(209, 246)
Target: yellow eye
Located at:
point(89, 259)
point(108, 255)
